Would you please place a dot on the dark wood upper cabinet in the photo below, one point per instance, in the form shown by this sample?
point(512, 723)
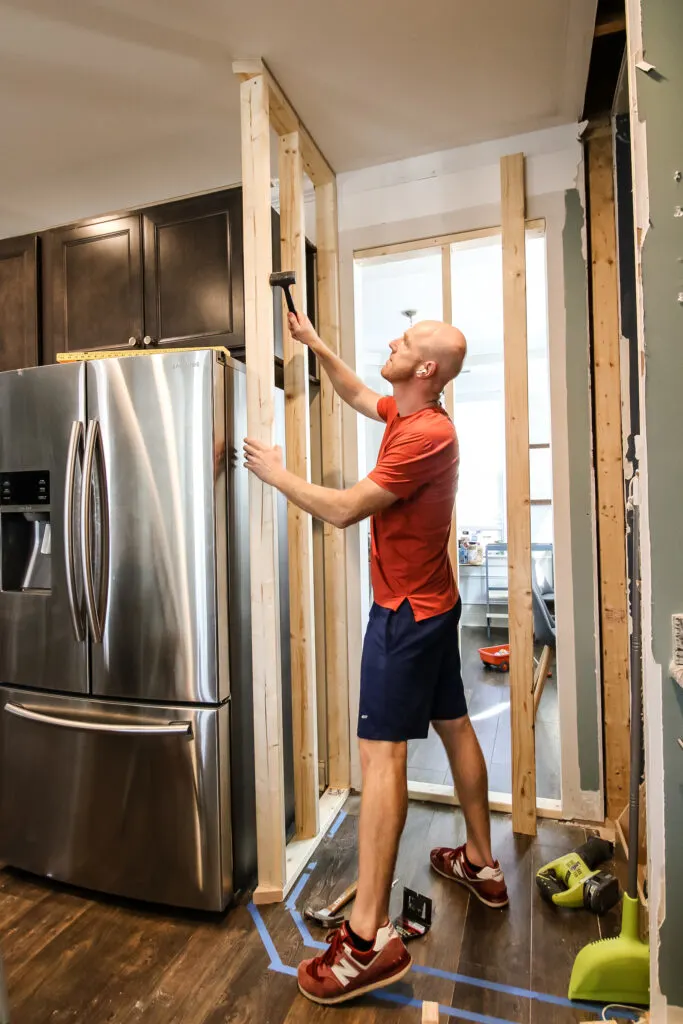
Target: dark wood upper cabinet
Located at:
point(92, 287)
point(18, 302)
point(194, 284)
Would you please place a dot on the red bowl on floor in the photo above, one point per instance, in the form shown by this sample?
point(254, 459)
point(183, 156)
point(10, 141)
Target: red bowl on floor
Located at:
point(496, 657)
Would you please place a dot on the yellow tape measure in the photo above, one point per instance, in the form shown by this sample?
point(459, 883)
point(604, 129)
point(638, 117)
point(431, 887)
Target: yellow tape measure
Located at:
point(77, 357)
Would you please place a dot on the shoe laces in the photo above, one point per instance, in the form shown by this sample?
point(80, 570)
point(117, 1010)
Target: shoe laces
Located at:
point(335, 943)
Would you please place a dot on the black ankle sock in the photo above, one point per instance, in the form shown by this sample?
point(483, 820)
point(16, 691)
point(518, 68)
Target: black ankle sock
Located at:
point(473, 867)
point(363, 945)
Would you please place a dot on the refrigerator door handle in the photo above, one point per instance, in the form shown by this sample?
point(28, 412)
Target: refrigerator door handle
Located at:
point(164, 729)
point(95, 614)
point(75, 449)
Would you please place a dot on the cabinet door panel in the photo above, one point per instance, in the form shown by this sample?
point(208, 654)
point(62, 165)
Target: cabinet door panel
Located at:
point(194, 291)
point(18, 303)
point(93, 286)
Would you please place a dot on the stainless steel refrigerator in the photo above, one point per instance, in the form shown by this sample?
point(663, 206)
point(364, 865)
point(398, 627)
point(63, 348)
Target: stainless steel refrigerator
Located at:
point(125, 627)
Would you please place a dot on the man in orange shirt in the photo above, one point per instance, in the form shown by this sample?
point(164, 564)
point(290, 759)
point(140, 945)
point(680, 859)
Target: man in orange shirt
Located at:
point(410, 670)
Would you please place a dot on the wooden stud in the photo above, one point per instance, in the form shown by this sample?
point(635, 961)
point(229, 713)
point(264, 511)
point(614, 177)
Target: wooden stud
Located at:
point(430, 1013)
point(434, 241)
point(299, 527)
point(541, 676)
point(284, 119)
point(609, 28)
point(611, 526)
point(265, 610)
point(336, 631)
point(319, 590)
point(521, 633)
point(500, 803)
point(449, 396)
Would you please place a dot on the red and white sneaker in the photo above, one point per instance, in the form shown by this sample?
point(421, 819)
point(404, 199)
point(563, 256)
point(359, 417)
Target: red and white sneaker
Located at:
point(488, 885)
point(343, 972)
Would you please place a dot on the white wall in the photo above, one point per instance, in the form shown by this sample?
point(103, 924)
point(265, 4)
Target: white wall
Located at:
point(446, 192)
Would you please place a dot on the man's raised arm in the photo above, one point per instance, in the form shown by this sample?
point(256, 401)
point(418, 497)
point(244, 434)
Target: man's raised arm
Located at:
point(348, 386)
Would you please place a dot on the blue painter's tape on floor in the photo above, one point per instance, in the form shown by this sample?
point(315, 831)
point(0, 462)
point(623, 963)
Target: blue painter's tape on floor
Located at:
point(309, 941)
point(336, 824)
point(283, 969)
point(296, 891)
point(265, 935)
point(464, 979)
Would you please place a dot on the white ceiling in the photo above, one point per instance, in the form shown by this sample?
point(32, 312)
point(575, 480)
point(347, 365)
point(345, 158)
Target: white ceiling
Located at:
point(111, 103)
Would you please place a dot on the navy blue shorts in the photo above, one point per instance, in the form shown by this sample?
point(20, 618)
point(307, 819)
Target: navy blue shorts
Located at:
point(410, 674)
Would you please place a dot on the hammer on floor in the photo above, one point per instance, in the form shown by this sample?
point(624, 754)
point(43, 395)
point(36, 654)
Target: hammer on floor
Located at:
point(285, 279)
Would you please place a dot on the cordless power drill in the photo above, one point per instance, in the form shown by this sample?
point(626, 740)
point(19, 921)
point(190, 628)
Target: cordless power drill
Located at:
point(574, 881)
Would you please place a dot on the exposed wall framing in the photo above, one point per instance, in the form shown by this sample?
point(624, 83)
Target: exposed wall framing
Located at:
point(521, 631)
point(299, 527)
point(609, 467)
point(336, 629)
point(264, 105)
point(265, 611)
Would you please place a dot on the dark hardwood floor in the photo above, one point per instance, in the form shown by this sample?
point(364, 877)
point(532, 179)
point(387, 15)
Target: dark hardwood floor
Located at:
point(488, 700)
point(71, 957)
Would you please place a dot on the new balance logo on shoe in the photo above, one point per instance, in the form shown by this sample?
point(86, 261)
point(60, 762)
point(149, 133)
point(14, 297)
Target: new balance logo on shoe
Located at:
point(344, 971)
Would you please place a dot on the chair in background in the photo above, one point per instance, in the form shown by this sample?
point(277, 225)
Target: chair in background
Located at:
point(544, 633)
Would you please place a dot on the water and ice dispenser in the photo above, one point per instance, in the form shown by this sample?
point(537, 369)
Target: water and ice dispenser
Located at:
point(25, 532)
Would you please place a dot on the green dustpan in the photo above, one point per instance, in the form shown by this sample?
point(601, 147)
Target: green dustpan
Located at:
point(618, 970)
point(614, 970)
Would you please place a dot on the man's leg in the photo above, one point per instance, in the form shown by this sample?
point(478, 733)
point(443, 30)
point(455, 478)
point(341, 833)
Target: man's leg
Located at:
point(471, 783)
point(383, 809)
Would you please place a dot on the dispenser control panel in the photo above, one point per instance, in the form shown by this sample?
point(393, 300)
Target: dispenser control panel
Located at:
point(29, 487)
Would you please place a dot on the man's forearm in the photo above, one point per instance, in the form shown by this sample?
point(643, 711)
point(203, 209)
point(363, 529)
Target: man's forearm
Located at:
point(344, 381)
point(325, 503)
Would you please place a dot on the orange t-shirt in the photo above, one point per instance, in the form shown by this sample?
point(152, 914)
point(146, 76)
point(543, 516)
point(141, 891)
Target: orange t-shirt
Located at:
point(418, 462)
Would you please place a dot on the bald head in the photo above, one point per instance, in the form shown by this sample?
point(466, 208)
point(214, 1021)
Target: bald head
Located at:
point(425, 359)
point(441, 344)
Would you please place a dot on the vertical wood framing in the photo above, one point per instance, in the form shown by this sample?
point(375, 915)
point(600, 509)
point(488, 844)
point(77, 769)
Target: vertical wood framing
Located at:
point(518, 495)
point(449, 396)
point(609, 471)
point(265, 611)
point(334, 546)
point(299, 527)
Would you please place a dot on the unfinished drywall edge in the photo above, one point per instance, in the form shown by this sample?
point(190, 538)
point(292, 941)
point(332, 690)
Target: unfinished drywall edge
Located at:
point(654, 749)
point(657, 102)
point(581, 495)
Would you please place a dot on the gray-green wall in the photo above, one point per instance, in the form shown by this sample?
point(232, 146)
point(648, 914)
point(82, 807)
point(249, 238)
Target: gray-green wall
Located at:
point(581, 489)
point(660, 98)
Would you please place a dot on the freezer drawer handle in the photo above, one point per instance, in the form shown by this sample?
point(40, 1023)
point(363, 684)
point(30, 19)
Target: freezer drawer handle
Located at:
point(165, 729)
point(75, 449)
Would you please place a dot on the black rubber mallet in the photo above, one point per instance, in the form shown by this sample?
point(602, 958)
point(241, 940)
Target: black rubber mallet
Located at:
point(285, 279)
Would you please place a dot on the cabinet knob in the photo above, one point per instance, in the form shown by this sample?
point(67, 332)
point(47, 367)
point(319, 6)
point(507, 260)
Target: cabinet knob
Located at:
point(147, 340)
point(132, 342)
